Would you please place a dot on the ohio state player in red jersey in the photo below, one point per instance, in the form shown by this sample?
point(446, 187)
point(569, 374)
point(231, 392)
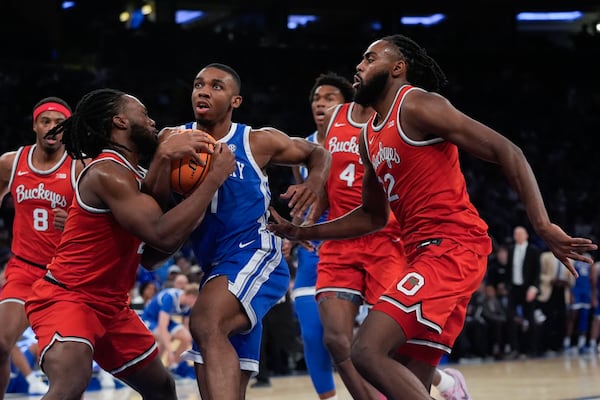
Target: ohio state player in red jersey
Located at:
point(377, 258)
point(40, 178)
point(80, 310)
point(410, 152)
point(352, 271)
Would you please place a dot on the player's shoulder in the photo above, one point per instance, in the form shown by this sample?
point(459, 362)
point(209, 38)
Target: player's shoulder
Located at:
point(267, 137)
point(265, 130)
point(7, 159)
point(109, 172)
point(419, 96)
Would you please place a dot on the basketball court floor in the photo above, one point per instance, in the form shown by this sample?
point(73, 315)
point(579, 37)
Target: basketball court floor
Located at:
point(556, 378)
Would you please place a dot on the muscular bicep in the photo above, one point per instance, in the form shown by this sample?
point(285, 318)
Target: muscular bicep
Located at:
point(428, 115)
point(114, 187)
point(273, 146)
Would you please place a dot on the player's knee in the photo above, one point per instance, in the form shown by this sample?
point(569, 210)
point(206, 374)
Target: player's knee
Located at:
point(69, 390)
point(68, 385)
point(362, 356)
point(205, 332)
point(163, 390)
point(337, 344)
point(7, 344)
point(5, 350)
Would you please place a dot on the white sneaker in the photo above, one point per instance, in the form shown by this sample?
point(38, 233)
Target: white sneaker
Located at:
point(37, 386)
point(459, 390)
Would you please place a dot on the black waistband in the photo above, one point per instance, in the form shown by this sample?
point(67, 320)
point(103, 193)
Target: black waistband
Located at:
point(30, 262)
point(55, 282)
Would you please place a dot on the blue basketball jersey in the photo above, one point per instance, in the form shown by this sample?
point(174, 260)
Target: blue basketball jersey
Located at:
point(167, 300)
point(238, 214)
point(232, 240)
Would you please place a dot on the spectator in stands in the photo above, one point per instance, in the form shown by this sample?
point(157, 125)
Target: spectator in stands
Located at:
point(553, 299)
point(167, 316)
point(524, 281)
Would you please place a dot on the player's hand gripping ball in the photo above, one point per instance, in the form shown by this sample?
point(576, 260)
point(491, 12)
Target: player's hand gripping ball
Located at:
point(187, 174)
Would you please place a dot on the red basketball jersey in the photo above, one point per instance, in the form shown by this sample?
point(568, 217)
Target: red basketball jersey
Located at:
point(96, 255)
point(424, 184)
point(344, 183)
point(35, 193)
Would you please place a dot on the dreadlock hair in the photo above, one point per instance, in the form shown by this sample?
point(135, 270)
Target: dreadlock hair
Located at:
point(87, 132)
point(422, 71)
point(333, 79)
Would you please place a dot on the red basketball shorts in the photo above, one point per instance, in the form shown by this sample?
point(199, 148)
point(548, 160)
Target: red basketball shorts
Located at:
point(365, 266)
point(429, 300)
point(19, 276)
point(116, 334)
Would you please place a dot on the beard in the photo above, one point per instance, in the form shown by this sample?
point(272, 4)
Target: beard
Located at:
point(145, 140)
point(369, 91)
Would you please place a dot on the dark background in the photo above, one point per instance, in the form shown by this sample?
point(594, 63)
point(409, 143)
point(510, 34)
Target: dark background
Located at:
point(536, 83)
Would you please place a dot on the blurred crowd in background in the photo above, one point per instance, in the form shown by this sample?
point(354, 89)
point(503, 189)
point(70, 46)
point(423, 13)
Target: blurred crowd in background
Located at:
point(543, 94)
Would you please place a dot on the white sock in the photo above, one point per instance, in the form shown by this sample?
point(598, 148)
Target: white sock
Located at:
point(446, 381)
point(581, 341)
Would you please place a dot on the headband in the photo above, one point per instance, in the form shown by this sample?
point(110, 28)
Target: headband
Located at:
point(51, 106)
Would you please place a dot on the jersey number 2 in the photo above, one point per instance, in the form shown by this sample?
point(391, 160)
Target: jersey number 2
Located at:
point(388, 183)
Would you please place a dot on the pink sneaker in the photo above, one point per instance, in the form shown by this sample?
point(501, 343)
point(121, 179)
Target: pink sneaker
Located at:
point(459, 390)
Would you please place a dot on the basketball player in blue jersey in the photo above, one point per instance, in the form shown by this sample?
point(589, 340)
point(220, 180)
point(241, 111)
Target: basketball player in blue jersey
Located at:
point(245, 273)
point(160, 316)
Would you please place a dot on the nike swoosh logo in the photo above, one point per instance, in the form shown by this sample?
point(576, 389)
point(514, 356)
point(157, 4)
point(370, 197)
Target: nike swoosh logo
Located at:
point(371, 139)
point(338, 125)
point(21, 173)
point(242, 245)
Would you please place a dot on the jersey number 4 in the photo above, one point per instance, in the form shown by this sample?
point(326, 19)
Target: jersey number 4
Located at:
point(348, 175)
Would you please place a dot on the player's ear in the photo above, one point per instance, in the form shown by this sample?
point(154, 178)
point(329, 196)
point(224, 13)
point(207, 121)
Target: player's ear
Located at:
point(236, 101)
point(399, 67)
point(119, 121)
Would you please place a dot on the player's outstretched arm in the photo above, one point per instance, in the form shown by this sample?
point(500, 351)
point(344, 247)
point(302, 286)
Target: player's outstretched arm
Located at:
point(433, 114)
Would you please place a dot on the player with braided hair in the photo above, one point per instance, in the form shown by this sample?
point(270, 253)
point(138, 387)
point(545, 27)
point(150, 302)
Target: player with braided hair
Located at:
point(410, 150)
point(80, 310)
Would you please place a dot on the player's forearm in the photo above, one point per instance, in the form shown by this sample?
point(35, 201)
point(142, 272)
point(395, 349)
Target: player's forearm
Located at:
point(177, 224)
point(157, 180)
point(355, 223)
point(521, 177)
point(318, 164)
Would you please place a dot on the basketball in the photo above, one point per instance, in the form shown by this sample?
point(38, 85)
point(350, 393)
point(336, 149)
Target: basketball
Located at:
point(187, 174)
